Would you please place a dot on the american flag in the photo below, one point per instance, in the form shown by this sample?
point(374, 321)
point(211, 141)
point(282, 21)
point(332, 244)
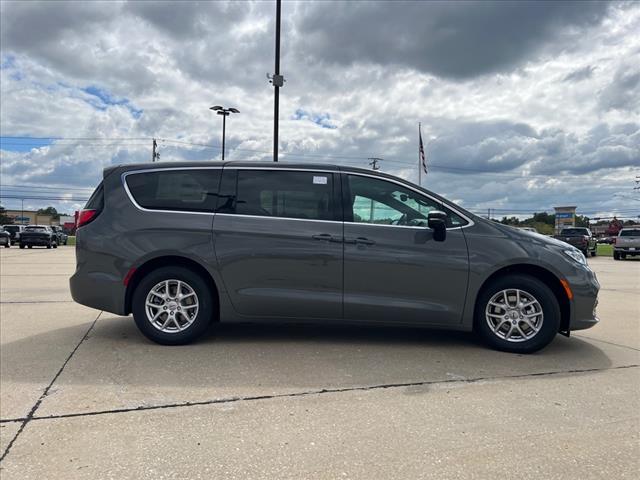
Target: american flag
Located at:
point(423, 159)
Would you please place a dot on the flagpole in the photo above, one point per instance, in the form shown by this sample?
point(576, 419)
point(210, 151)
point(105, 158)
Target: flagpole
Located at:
point(419, 159)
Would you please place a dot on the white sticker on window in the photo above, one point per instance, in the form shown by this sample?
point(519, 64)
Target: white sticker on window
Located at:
point(319, 180)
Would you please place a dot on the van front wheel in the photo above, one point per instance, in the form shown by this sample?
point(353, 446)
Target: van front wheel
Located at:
point(517, 313)
point(173, 306)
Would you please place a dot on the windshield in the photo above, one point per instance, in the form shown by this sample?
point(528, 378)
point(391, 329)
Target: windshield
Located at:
point(11, 228)
point(630, 233)
point(36, 229)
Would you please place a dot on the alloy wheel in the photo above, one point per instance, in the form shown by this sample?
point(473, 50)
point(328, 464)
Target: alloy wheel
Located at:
point(172, 306)
point(514, 315)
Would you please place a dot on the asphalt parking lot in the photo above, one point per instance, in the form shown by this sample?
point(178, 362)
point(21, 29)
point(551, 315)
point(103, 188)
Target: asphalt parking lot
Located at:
point(84, 395)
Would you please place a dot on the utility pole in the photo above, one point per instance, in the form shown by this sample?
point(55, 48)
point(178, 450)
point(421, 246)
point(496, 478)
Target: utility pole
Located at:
point(374, 162)
point(277, 81)
point(155, 156)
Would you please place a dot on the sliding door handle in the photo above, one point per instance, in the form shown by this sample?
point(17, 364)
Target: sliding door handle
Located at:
point(322, 236)
point(364, 241)
point(359, 241)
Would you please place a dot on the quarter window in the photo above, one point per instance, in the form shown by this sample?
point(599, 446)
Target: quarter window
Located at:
point(385, 203)
point(270, 193)
point(181, 190)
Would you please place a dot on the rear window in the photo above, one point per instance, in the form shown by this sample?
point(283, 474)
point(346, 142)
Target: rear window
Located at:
point(630, 233)
point(302, 195)
point(574, 231)
point(12, 228)
point(96, 200)
point(177, 190)
point(36, 229)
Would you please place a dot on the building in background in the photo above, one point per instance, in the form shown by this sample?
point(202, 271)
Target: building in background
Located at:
point(565, 217)
point(26, 217)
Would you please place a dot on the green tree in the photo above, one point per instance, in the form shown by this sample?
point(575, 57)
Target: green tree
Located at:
point(4, 219)
point(49, 211)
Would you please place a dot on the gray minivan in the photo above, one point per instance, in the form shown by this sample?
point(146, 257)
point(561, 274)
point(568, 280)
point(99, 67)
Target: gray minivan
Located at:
point(182, 245)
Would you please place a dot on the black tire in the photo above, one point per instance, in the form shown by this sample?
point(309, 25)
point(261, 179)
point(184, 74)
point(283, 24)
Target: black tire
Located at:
point(49, 245)
point(21, 245)
point(623, 256)
point(206, 310)
point(594, 253)
point(55, 245)
point(616, 256)
point(29, 246)
point(546, 299)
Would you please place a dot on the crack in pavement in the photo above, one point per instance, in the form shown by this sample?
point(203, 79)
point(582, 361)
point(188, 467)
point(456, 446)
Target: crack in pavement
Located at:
point(34, 409)
point(307, 393)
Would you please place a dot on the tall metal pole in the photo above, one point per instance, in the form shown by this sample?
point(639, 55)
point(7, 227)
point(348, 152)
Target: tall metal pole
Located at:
point(224, 127)
point(276, 84)
point(419, 159)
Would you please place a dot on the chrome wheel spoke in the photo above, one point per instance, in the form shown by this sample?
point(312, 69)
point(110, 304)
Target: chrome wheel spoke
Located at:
point(178, 316)
point(519, 310)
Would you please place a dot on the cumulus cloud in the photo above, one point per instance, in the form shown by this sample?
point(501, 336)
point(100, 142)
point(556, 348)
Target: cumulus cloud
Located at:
point(522, 104)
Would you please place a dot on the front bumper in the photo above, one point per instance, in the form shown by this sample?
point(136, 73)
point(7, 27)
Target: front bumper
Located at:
point(585, 300)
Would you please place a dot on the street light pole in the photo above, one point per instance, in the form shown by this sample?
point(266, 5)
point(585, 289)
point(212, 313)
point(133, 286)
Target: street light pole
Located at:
point(277, 81)
point(225, 112)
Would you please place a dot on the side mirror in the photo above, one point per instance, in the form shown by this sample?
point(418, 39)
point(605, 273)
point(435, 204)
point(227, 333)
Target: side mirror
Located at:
point(437, 222)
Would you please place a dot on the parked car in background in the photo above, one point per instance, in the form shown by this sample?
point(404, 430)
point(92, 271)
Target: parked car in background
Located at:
point(38, 235)
point(627, 243)
point(14, 231)
point(5, 238)
point(181, 245)
point(60, 235)
point(581, 238)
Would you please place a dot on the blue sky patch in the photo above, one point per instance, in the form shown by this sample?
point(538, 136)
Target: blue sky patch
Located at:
point(321, 119)
point(23, 144)
point(102, 99)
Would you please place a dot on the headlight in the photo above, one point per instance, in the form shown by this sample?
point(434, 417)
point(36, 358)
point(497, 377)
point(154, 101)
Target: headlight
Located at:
point(577, 256)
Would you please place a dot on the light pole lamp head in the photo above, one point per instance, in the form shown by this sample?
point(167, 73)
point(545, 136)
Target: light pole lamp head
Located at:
point(215, 107)
point(234, 110)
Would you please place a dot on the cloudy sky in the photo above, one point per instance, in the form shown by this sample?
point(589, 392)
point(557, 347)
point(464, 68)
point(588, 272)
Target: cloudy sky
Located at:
point(523, 105)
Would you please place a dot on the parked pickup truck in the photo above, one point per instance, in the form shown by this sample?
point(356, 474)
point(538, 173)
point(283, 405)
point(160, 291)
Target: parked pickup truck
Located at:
point(38, 235)
point(581, 238)
point(627, 243)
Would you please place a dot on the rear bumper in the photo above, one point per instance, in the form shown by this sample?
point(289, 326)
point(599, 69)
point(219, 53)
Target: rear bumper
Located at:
point(627, 251)
point(36, 241)
point(98, 290)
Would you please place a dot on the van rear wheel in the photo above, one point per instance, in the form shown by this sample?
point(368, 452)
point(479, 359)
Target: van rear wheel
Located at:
point(518, 314)
point(173, 305)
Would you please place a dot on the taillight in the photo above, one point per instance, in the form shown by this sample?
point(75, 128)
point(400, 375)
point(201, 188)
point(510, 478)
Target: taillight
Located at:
point(86, 216)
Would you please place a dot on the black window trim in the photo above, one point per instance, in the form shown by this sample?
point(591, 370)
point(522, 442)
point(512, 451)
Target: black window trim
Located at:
point(340, 180)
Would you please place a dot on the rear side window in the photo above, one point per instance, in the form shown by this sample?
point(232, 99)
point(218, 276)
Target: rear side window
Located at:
point(96, 200)
point(272, 193)
point(192, 190)
point(630, 233)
